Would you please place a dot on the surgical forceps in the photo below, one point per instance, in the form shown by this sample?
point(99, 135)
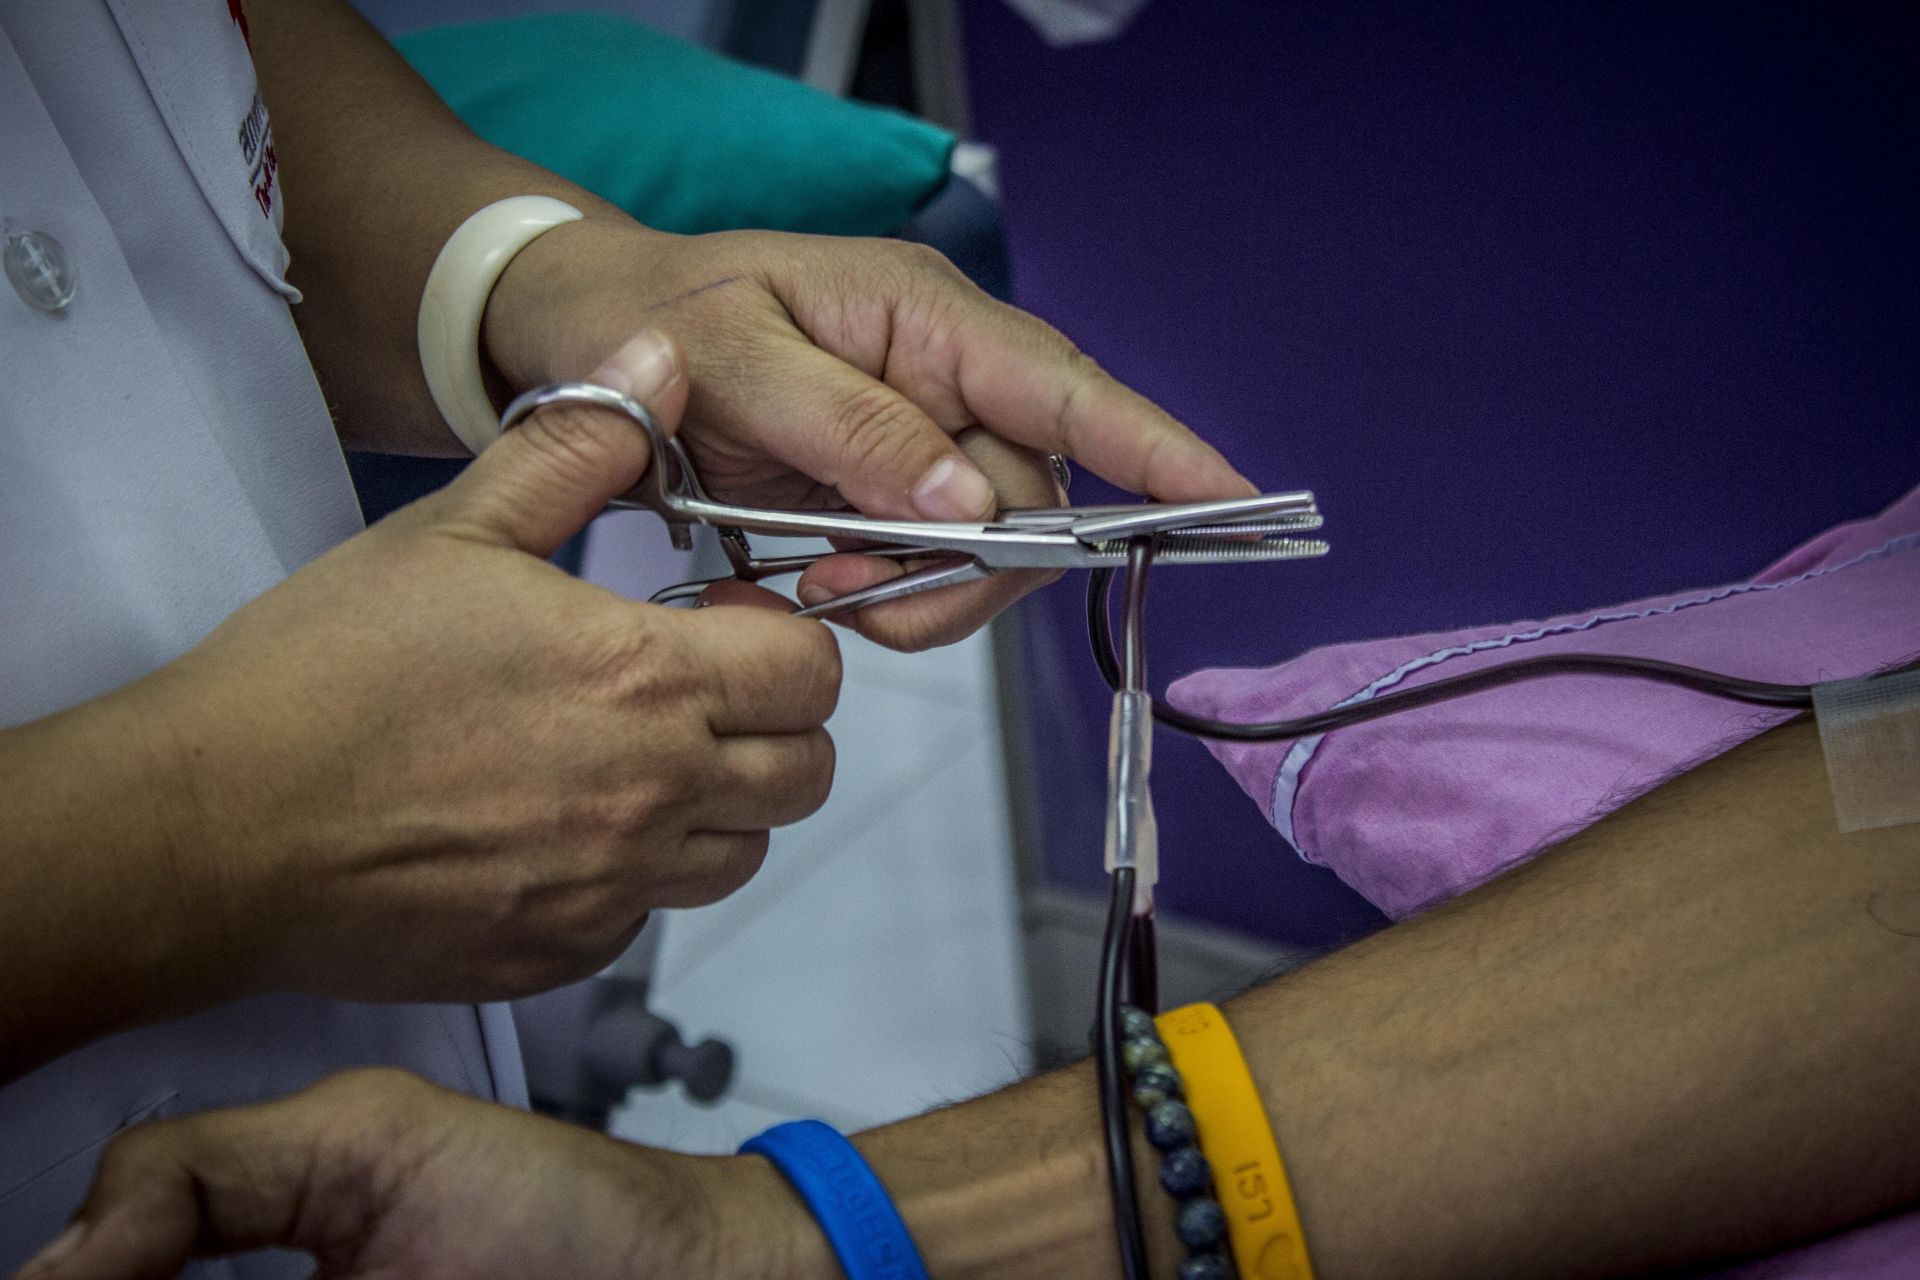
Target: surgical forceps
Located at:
point(1232, 530)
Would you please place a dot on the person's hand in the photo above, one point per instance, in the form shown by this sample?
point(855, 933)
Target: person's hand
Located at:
point(380, 1175)
point(829, 371)
point(431, 766)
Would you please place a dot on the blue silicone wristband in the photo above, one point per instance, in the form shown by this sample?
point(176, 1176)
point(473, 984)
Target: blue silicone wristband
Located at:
point(852, 1208)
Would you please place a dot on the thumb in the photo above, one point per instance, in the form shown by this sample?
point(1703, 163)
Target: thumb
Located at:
point(540, 483)
point(298, 1172)
point(167, 1191)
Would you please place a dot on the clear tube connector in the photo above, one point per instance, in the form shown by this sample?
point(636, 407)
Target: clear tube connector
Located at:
point(1133, 839)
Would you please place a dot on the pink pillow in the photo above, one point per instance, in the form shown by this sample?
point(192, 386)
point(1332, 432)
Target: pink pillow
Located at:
point(1416, 808)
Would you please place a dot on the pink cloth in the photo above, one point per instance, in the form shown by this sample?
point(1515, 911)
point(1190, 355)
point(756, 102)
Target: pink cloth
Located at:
point(1416, 808)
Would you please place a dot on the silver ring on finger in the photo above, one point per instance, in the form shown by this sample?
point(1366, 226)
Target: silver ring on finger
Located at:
point(1062, 473)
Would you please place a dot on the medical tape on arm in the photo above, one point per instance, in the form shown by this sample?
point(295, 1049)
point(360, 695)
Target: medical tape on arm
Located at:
point(1870, 734)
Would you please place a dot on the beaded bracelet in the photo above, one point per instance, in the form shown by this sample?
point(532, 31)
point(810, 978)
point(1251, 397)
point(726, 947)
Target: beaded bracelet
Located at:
point(1199, 1222)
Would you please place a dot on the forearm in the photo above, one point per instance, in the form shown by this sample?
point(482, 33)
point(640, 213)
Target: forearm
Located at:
point(1689, 1033)
point(108, 914)
point(378, 173)
point(1686, 1035)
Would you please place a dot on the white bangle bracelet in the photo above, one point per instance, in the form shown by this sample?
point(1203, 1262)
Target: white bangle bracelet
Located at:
point(455, 300)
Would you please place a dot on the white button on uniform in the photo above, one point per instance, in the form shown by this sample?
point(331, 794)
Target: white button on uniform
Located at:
point(40, 270)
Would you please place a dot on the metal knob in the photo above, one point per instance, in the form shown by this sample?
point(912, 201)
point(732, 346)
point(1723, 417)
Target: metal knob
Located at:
point(706, 1069)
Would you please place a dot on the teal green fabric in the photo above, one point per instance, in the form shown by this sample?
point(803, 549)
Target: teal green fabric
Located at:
point(682, 138)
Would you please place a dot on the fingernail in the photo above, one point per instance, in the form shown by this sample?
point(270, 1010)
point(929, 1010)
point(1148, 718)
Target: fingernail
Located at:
point(642, 366)
point(953, 490)
point(50, 1257)
point(813, 593)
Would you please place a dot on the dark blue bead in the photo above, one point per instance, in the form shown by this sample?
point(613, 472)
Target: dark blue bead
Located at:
point(1185, 1172)
point(1206, 1266)
point(1153, 1084)
point(1137, 1024)
point(1169, 1124)
point(1200, 1224)
point(1137, 1053)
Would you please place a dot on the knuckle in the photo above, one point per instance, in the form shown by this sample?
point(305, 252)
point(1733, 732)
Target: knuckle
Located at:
point(924, 633)
point(133, 1149)
point(1069, 415)
point(928, 622)
point(876, 429)
point(739, 861)
point(723, 864)
point(633, 662)
point(371, 1087)
point(578, 439)
point(926, 258)
point(814, 780)
point(823, 673)
point(917, 626)
point(574, 428)
point(633, 810)
point(429, 509)
point(1149, 461)
point(798, 677)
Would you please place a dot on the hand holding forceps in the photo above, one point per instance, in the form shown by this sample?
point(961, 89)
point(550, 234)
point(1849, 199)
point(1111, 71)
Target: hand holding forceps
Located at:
point(1232, 530)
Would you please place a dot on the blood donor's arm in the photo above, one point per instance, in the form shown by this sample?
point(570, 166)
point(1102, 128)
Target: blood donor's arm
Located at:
point(1687, 1034)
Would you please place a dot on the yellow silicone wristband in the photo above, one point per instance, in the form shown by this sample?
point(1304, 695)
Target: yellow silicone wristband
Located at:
point(1263, 1223)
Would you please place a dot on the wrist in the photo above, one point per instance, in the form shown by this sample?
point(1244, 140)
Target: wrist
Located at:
point(531, 330)
point(1005, 1200)
point(761, 1229)
point(107, 887)
point(212, 896)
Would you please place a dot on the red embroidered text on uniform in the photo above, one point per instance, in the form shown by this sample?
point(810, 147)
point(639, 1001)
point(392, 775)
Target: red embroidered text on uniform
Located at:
point(256, 148)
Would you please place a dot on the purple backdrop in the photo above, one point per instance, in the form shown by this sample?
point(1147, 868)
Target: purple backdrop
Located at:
point(1552, 304)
